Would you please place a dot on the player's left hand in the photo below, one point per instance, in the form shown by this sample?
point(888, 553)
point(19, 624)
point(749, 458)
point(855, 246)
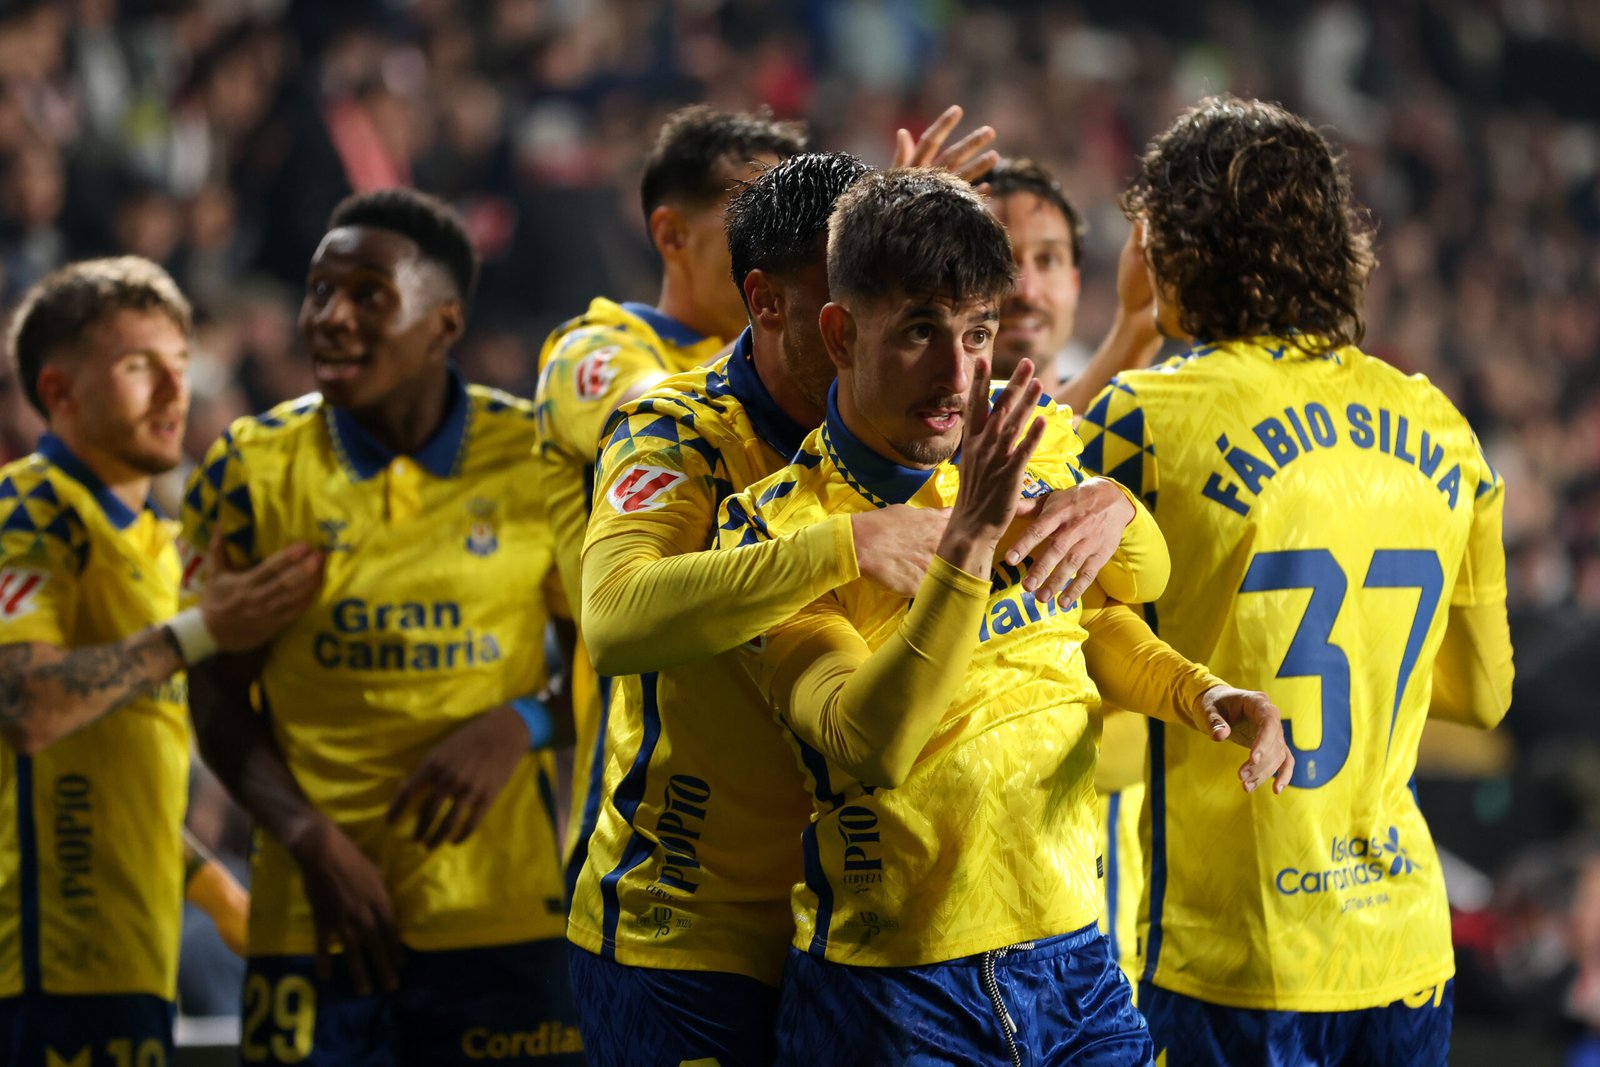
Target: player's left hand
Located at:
point(1251, 719)
point(966, 159)
point(462, 776)
point(1074, 531)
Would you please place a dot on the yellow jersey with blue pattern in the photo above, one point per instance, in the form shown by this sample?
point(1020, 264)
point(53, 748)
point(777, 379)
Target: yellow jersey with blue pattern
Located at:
point(431, 612)
point(991, 839)
point(587, 366)
point(694, 849)
point(91, 866)
point(1325, 512)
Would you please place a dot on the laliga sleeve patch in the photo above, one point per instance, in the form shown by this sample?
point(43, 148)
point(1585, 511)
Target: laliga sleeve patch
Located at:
point(641, 488)
point(595, 373)
point(193, 562)
point(19, 589)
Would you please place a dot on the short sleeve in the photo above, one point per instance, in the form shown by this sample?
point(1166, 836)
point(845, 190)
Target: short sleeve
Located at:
point(44, 549)
point(1117, 442)
point(586, 377)
point(217, 496)
point(1482, 577)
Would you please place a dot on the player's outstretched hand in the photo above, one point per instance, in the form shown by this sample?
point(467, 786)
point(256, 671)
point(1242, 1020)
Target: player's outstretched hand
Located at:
point(996, 445)
point(1252, 720)
point(894, 545)
point(244, 609)
point(350, 907)
point(462, 776)
point(966, 159)
point(1071, 534)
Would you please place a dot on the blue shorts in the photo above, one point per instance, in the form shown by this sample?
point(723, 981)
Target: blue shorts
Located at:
point(1065, 997)
point(646, 1017)
point(1414, 1030)
point(40, 1028)
point(507, 1003)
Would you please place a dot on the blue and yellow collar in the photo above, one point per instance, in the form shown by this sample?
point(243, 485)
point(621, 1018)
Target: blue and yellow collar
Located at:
point(363, 455)
point(666, 327)
point(56, 451)
point(880, 480)
point(770, 421)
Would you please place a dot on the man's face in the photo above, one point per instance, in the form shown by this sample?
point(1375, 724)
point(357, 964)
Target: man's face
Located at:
point(805, 358)
point(1036, 319)
point(911, 364)
point(706, 255)
point(128, 391)
point(370, 318)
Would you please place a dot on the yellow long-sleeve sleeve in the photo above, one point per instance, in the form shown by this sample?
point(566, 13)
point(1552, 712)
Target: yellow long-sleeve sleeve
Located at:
point(648, 604)
point(871, 713)
point(1136, 670)
point(1473, 673)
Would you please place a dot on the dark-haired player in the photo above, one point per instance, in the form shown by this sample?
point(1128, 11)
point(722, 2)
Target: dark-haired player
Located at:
point(947, 910)
point(407, 901)
point(94, 765)
point(613, 352)
point(1336, 530)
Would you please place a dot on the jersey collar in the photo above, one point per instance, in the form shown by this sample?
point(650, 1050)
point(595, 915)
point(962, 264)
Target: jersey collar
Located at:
point(880, 480)
point(364, 455)
point(666, 327)
point(56, 451)
point(770, 421)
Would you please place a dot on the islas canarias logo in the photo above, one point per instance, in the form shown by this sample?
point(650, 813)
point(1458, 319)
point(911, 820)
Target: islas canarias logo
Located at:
point(1354, 863)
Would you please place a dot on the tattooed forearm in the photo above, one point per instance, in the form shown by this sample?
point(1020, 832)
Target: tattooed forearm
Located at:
point(48, 692)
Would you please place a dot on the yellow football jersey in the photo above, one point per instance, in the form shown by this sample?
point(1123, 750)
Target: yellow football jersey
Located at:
point(587, 366)
point(991, 839)
point(430, 613)
point(1324, 513)
point(695, 848)
point(1122, 861)
point(91, 865)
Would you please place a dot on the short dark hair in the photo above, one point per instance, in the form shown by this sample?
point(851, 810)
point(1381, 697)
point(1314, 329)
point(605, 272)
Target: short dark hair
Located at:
point(57, 311)
point(696, 142)
point(1250, 220)
point(919, 231)
point(779, 222)
point(1023, 175)
point(431, 223)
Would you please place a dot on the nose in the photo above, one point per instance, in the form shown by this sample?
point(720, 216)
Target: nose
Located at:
point(174, 381)
point(335, 312)
point(1030, 284)
point(954, 366)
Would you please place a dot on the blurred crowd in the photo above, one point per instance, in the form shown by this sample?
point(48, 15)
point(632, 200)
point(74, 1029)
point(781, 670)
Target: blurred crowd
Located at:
point(214, 136)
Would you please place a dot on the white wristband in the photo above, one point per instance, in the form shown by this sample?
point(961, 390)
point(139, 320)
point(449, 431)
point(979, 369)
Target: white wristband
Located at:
point(194, 637)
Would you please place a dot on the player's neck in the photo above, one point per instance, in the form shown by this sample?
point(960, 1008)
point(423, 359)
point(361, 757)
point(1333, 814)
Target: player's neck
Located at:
point(677, 304)
point(127, 483)
point(764, 352)
point(403, 424)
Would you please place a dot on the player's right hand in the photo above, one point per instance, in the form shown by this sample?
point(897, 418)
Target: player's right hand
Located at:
point(966, 159)
point(245, 609)
point(996, 445)
point(894, 545)
point(350, 907)
point(1251, 719)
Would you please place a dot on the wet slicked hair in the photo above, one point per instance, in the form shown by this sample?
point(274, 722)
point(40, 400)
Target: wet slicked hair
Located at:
point(698, 143)
point(917, 231)
point(1251, 222)
point(1025, 176)
point(429, 222)
point(66, 303)
point(779, 222)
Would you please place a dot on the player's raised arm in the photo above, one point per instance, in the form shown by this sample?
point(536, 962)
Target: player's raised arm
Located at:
point(873, 713)
point(47, 692)
point(1136, 670)
point(1133, 340)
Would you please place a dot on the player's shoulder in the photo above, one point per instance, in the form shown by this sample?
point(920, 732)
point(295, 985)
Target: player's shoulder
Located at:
point(810, 487)
point(42, 510)
point(275, 428)
point(1416, 390)
point(500, 421)
point(604, 331)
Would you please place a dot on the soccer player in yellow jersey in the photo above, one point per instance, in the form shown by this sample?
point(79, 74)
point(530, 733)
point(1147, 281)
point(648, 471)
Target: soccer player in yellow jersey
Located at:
point(1036, 323)
point(1336, 534)
point(681, 927)
point(947, 746)
point(405, 824)
point(614, 352)
point(94, 769)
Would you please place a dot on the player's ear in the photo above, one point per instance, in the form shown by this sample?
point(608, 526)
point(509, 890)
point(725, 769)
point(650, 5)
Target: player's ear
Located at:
point(838, 329)
point(669, 230)
point(54, 385)
point(761, 296)
point(452, 323)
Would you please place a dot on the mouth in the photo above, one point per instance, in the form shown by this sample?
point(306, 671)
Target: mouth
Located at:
point(167, 427)
point(941, 420)
point(1023, 322)
point(336, 366)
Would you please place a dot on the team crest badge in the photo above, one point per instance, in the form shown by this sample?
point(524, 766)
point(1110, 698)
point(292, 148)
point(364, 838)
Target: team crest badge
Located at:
point(595, 373)
point(481, 537)
point(332, 535)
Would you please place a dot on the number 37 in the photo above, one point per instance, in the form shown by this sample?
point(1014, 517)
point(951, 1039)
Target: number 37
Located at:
point(1311, 654)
